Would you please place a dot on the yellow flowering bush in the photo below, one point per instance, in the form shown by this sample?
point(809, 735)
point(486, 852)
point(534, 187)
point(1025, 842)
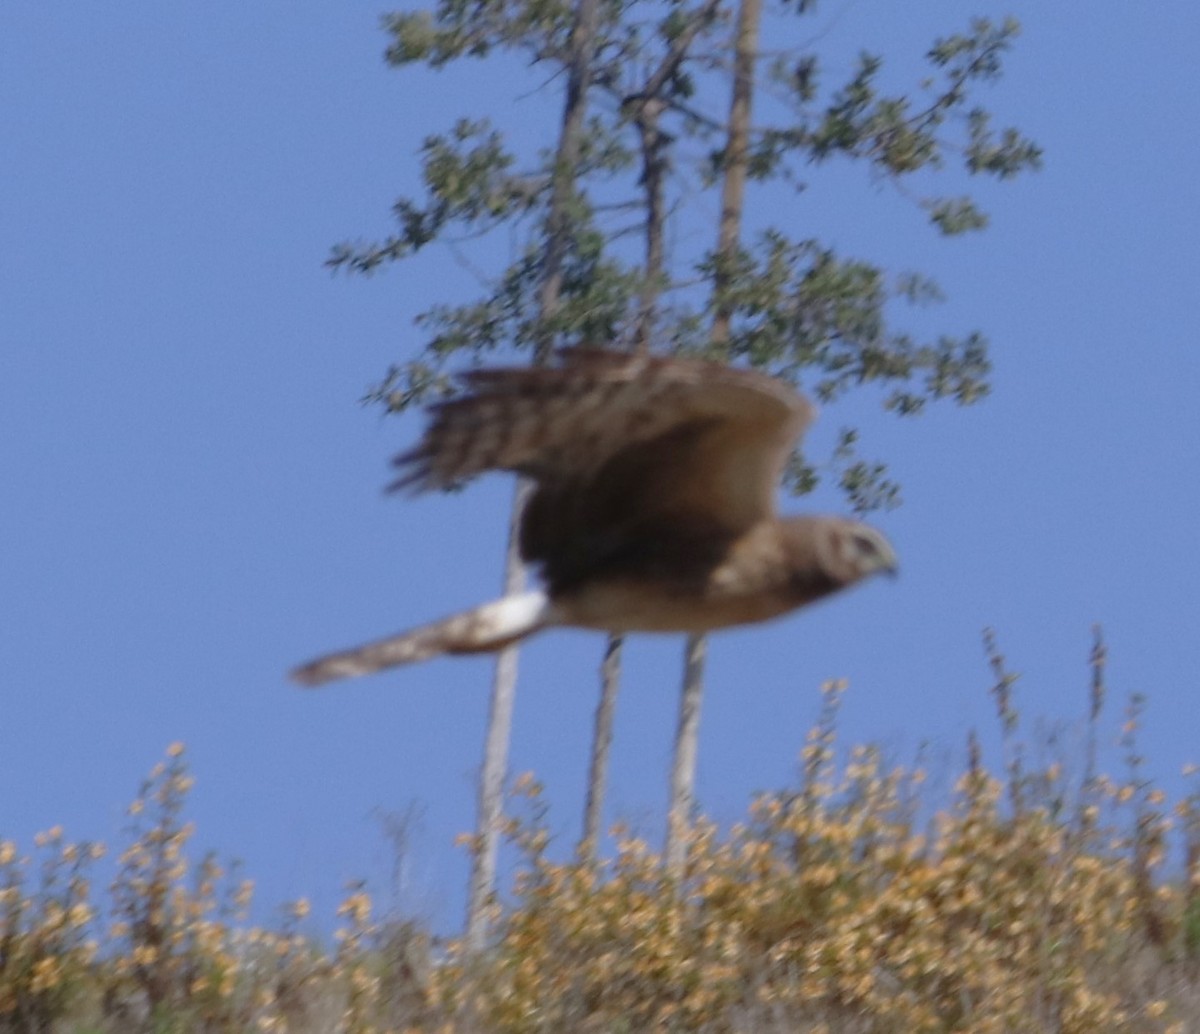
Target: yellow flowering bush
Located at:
point(850, 904)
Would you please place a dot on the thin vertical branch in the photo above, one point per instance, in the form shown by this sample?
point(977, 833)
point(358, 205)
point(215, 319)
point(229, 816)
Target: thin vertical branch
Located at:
point(1146, 838)
point(974, 758)
point(1097, 692)
point(482, 883)
point(647, 107)
point(733, 190)
point(504, 682)
point(1002, 691)
point(593, 809)
point(683, 772)
point(566, 161)
point(654, 166)
point(683, 768)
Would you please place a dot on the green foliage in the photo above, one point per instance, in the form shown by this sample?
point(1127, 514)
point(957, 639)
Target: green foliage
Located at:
point(473, 28)
point(865, 484)
point(797, 307)
point(470, 188)
point(953, 215)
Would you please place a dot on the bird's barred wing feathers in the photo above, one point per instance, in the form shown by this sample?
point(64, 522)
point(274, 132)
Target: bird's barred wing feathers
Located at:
point(566, 421)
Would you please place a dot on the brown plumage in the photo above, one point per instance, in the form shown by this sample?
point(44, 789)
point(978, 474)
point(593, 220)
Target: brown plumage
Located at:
point(653, 508)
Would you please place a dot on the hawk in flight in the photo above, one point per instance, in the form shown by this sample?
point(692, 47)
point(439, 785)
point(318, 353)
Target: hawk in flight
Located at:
point(652, 509)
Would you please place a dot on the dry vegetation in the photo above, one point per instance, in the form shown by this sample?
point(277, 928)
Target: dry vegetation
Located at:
point(1030, 902)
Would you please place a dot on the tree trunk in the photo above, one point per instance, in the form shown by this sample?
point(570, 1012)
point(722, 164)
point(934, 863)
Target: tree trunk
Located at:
point(654, 164)
point(504, 682)
point(733, 190)
point(593, 809)
point(482, 885)
point(683, 768)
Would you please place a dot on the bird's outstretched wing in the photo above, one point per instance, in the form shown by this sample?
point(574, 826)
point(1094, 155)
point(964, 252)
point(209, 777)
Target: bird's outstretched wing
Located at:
point(607, 429)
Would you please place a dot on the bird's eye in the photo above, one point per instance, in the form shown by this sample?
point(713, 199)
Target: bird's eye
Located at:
point(866, 545)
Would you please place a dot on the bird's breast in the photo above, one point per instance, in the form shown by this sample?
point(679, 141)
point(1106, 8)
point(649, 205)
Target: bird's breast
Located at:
point(636, 605)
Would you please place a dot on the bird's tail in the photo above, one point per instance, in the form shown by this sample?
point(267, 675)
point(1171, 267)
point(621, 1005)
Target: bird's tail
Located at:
point(490, 627)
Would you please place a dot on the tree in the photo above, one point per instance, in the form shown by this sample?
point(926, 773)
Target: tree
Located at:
point(641, 150)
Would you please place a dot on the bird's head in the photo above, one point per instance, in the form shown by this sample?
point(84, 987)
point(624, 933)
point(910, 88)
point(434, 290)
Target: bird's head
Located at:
point(855, 550)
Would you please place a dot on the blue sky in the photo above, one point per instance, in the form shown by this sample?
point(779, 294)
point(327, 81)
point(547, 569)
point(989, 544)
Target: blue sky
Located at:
point(192, 493)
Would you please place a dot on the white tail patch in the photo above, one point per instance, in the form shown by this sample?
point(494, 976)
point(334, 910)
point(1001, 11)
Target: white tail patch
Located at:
point(490, 627)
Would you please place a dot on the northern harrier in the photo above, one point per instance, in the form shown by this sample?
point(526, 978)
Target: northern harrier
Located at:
point(653, 507)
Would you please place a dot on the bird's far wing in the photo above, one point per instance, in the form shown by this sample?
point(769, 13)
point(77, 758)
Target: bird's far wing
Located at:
point(728, 435)
point(564, 424)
